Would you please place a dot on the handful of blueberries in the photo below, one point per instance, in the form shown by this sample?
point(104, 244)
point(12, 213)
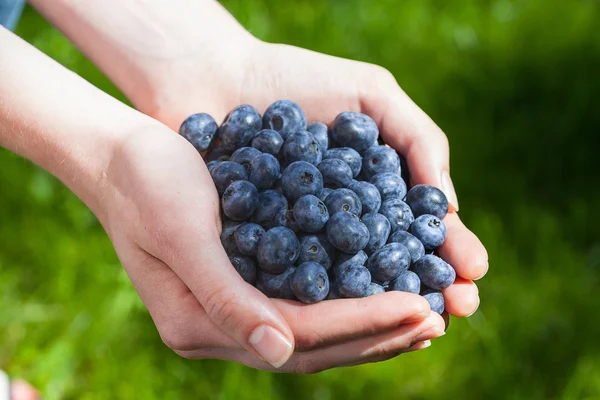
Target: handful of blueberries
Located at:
point(313, 214)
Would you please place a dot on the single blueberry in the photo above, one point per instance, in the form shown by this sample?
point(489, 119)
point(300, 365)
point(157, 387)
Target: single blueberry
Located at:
point(426, 199)
point(200, 130)
point(239, 127)
point(228, 237)
point(414, 245)
point(356, 130)
point(245, 267)
point(271, 209)
point(368, 194)
point(408, 281)
point(389, 262)
point(435, 299)
point(349, 156)
point(301, 178)
point(278, 249)
point(244, 155)
point(434, 272)
point(276, 286)
point(227, 172)
point(398, 213)
point(301, 146)
point(342, 260)
point(240, 200)
point(379, 231)
point(285, 117)
point(390, 185)
point(217, 154)
point(316, 248)
point(336, 173)
point(430, 230)
point(324, 193)
point(374, 288)
point(346, 232)
point(310, 283)
point(310, 213)
point(353, 281)
point(268, 141)
point(320, 132)
point(343, 200)
point(378, 159)
point(247, 237)
point(264, 171)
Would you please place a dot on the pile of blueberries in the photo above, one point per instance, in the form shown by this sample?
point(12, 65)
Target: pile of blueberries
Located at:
point(312, 214)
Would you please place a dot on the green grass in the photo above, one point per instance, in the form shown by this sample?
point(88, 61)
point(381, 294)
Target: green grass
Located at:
point(513, 84)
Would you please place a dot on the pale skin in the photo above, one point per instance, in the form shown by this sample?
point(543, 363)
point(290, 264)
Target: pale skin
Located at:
point(152, 193)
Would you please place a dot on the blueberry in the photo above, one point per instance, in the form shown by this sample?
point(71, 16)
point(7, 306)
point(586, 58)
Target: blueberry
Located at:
point(247, 237)
point(200, 130)
point(379, 231)
point(239, 200)
point(390, 185)
point(267, 141)
point(389, 262)
point(378, 159)
point(426, 199)
point(301, 146)
point(320, 132)
point(239, 127)
point(276, 286)
point(310, 283)
point(408, 281)
point(398, 213)
point(434, 272)
point(374, 288)
point(430, 230)
point(226, 173)
point(310, 213)
point(301, 178)
point(368, 194)
point(244, 155)
point(278, 249)
point(285, 117)
point(264, 171)
point(316, 248)
point(228, 237)
point(435, 299)
point(356, 130)
point(245, 267)
point(353, 281)
point(414, 245)
point(343, 200)
point(271, 209)
point(346, 232)
point(336, 173)
point(349, 156)
point(342, 260)
point(217, 154)
point(212, 164)
point(324, 193)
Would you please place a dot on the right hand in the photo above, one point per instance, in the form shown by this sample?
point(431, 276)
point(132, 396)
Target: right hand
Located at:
point(161, 211)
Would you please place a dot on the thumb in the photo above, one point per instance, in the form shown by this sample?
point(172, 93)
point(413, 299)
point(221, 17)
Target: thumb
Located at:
point(239, 309)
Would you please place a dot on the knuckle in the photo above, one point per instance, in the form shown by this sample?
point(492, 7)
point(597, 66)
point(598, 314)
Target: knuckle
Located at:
point(223, 308)
point(175, 340)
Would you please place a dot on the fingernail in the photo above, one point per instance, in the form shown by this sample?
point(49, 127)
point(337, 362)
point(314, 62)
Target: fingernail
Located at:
point(425, 344)
point(429, 334)
point(419, 346)
point(448, 188)
point(271, 345)
point(417, 317)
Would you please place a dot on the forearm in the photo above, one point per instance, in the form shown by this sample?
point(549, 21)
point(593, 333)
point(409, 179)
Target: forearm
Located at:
point(142, 45)
point(58, 120)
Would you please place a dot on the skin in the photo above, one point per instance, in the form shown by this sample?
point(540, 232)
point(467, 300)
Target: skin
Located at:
point(121, 163)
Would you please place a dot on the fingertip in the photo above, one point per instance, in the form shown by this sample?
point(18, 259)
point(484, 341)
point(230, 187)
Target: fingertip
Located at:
point(462, 298)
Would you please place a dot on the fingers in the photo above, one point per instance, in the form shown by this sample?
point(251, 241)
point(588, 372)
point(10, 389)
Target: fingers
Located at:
point(335, 321)
point(461, 298)
point(21, 390)
point(463, 250)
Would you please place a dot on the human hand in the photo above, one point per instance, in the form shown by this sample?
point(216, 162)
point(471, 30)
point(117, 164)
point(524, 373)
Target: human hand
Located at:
point(324, 86)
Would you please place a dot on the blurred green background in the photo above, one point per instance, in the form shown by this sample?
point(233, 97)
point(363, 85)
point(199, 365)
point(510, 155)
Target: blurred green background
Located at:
point(514, 84)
